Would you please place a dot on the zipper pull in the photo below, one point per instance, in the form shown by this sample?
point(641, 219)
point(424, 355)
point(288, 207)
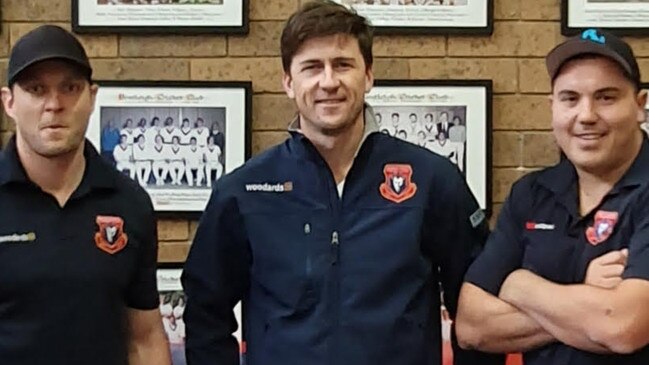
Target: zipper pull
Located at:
point(334, 247)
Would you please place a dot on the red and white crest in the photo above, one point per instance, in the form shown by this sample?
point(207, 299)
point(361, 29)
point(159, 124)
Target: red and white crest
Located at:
point(398, 185)
point(602, 227)
point(111, 237)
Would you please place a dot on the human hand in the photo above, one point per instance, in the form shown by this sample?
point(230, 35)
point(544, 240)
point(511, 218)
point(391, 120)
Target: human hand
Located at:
point(606, 271)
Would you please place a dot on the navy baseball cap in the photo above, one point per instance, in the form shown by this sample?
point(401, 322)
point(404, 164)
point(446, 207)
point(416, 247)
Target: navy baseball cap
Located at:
point(44, 43)
point(594, 41)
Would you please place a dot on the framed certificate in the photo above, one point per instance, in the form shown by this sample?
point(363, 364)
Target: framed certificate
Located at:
point(160, 16)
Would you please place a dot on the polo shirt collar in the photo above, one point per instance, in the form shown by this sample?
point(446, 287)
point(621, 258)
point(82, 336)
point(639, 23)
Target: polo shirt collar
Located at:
point(98, 173)
point(370, 125)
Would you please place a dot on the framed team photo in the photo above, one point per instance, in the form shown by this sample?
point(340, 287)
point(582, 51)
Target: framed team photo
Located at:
point(175, 139)
point(160, 16)
point(623, 17)
point(426, 16)
point(172, 309)
point(449, 117)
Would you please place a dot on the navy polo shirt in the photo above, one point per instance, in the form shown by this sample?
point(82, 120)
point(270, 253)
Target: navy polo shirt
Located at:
point(67, 274)
point(540, 229)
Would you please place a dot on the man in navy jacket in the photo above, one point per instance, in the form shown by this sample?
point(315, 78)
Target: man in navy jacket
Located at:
point(336, 240)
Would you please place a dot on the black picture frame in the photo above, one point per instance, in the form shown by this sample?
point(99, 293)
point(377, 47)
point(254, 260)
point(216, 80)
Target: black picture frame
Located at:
point(597, 17)
point(462, 101)
point(410, 19)
point(180, 167)
point(89, 17)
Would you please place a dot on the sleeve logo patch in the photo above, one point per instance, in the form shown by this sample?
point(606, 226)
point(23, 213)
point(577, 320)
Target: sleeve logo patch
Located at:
point(477, 217)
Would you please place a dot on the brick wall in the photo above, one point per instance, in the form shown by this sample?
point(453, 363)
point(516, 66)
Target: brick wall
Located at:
point(525, 30)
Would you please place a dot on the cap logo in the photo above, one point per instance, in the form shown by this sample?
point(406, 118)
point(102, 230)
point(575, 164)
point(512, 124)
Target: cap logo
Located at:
point(591, 35)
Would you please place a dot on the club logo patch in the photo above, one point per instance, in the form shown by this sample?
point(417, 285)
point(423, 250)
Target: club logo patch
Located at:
point(398, 185)
point(111, 237)
point(602, 227)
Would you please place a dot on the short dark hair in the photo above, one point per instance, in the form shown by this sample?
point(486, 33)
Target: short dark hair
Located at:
point(321, 18)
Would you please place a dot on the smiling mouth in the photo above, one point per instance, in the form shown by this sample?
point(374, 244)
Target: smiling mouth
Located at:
point(330, 101)
point(590, 136)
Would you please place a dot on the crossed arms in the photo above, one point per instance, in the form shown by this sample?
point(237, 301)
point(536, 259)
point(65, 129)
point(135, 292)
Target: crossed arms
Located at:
point(605, 314)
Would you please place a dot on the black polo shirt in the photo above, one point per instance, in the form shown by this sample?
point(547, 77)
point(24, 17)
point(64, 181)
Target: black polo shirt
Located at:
point(65, 283)
point(540, 229)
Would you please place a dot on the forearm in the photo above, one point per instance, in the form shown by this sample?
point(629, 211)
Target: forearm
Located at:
point(567, 312)
point(489, 324)
point(154, 349)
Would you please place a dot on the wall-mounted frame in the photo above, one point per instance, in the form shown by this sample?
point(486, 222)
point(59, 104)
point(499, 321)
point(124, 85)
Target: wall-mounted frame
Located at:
point(172, 309)
point(160, 16)
point(449, 117)
point(427, 16)
point(175, 138)
point(623, 17)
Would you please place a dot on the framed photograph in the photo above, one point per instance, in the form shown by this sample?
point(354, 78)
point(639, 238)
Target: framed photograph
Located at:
point(160, 16)
point(623, 17)
point(172, 309)
point(176, 139)
point(426, 16)
point(449, 117)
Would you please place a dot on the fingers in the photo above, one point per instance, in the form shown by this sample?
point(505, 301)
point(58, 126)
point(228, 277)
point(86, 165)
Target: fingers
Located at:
point(610, 271)
point(613, 257)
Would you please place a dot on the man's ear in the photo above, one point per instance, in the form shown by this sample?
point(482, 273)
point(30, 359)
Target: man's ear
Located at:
point(641, 101)
point(369, 79)
point(8, 101)
point(93, 88)
point(287, 83)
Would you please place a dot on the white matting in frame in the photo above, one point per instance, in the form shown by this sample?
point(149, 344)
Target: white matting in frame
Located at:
point(425, 112)
point(179, 137)
point(623, 16)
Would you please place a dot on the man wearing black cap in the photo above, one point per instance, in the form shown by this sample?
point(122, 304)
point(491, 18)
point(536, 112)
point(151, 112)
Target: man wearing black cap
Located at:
point(564, 276)
point(77, 239)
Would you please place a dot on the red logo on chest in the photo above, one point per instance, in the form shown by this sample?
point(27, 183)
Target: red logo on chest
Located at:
point(398, 185)
point(111, 237)
point(602, 227)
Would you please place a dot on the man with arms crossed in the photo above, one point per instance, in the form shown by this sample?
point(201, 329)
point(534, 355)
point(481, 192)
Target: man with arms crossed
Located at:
point(564, 276)
point(338, 238)
point(77, 238)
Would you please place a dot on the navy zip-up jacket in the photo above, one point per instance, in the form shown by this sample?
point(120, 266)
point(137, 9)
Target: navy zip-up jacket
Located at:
point(329, 280)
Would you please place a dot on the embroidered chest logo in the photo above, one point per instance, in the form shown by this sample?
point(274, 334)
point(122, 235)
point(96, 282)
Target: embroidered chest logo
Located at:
point(602, 227)
point(111, 237)
point(398, 185)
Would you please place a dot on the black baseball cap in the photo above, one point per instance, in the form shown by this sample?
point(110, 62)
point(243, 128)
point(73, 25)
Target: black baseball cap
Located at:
point(594, 41)
point(44, 43)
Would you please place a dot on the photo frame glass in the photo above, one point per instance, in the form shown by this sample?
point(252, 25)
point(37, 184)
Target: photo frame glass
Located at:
point(160, 16)
point(624, 17)
point(426, 16)
point(172, 309)
point(174, 139)
point(450, 118)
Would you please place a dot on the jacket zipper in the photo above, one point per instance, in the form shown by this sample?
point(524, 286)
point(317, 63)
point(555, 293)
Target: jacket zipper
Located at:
point(334, 247)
